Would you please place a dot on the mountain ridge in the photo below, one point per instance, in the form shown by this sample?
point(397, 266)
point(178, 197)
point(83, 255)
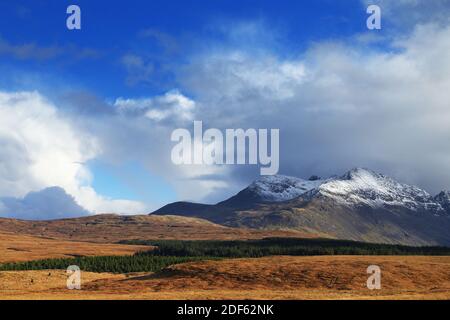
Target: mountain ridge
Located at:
point(359, 205)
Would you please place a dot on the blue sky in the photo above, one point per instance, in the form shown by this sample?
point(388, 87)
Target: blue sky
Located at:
point(111, 29)
point(158, 54)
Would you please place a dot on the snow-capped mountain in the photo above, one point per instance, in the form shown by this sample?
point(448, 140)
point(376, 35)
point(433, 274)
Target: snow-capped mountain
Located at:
point(357, 187)
point(359, 205)
point(366, 187)
point(282, 188)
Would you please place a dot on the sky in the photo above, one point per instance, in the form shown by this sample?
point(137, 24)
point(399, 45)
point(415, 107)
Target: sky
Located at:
point(86, 115)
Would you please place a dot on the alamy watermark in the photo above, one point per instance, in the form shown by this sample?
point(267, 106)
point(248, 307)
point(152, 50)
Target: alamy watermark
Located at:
point(233, 146)
point(374, 20)
point(374, 280)
point(73, 21)
point(73, 278)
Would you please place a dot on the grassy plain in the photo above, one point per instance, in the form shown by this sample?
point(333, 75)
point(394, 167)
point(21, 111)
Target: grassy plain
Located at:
point(280, 277)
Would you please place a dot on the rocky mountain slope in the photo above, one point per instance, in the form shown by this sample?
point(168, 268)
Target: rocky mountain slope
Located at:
point(359, 205)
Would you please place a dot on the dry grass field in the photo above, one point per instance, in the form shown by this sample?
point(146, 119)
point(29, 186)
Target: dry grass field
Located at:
point(327, 277)
point(112, 228)
point(281, 277)
point(16, 248)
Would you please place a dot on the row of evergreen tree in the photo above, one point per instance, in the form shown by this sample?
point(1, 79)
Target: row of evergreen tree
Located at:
point(113, 264)
point(281, 246)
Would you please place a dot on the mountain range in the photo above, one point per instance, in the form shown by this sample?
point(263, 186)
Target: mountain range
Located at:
point(360, 205)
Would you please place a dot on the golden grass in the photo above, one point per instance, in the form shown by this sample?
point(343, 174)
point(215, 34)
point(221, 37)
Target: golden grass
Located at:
point(111, 228)
point(16, 248)
point(326, 277)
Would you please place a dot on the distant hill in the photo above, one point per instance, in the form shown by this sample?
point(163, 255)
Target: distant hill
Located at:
point(110, 228)
point(360, 205)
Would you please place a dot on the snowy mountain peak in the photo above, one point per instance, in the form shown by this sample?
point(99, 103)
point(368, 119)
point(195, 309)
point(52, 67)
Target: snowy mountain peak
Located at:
point(356, 173)
point(282, 188)
point(356, 187)
point(443, 199)
point(364, 186)
point(443, 196)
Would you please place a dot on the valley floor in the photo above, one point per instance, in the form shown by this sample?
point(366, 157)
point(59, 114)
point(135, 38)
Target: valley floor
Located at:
point(320, 277)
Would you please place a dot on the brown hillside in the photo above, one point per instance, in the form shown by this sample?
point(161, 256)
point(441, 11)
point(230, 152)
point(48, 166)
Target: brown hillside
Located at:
point(15, 248)
point(112, 228)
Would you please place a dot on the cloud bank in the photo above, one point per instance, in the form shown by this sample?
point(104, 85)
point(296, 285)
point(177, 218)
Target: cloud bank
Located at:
point(341, 105)
point(338, 105)
point(42, 148)
point(48, 204)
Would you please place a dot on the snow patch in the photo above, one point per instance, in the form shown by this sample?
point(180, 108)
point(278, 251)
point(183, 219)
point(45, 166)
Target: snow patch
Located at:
point(280, 188)
point(363, 186)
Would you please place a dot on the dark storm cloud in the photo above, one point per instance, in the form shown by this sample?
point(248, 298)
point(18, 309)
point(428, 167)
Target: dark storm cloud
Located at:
point(50, 203)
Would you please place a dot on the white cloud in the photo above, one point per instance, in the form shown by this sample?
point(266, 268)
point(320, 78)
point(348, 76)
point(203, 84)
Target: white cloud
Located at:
point(41, 149)
point(236, 75)
point(173, 105)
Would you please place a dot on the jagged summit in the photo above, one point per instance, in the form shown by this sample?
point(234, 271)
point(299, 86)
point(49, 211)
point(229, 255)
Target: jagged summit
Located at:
point(281, 188)
point(366, 187)
point(357, 187)
point(443, 199)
